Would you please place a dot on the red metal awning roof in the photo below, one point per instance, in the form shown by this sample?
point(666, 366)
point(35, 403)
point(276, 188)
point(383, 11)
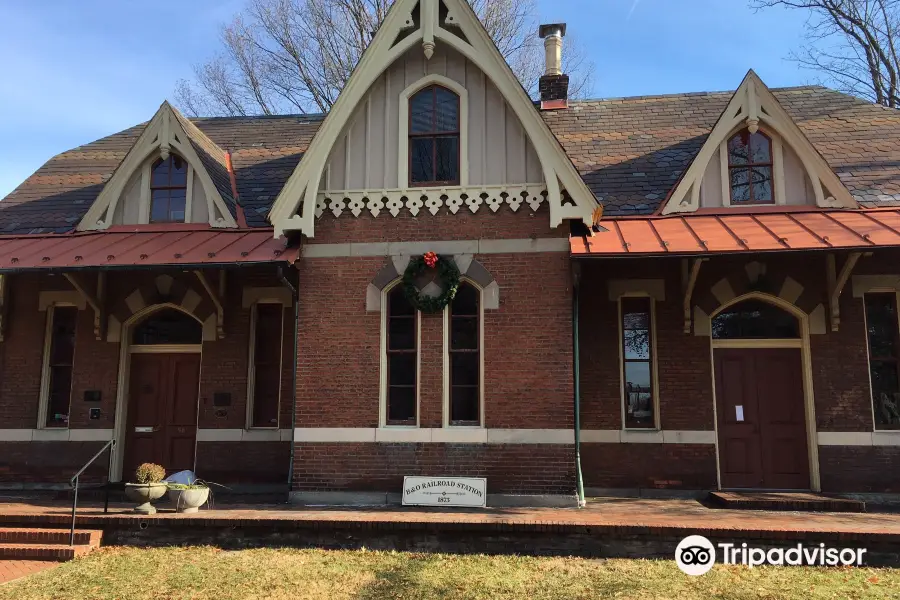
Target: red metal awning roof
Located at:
point(745, 232)
point(122, 247)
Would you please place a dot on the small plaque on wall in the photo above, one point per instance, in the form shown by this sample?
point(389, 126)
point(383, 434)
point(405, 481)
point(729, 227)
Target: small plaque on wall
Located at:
point(92, 395)
point(221, 399)
point(444, 491)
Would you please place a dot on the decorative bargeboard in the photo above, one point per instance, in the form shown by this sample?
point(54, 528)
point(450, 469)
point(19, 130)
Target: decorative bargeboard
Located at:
point(431, 199)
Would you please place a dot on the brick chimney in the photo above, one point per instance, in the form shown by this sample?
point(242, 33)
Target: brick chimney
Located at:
point(554, 84)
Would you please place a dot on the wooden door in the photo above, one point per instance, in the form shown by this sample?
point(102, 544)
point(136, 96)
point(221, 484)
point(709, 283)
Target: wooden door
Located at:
point(162, 411)
point(761, 418)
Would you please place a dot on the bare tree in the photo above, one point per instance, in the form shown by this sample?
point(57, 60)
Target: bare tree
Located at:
point(852, 43)
point(289, 56)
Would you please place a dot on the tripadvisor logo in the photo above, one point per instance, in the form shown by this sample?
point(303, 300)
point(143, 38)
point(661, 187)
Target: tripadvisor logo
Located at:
point(696, 555)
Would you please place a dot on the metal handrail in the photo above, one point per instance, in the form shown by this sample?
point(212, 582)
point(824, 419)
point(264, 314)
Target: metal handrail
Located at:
point(74, 483)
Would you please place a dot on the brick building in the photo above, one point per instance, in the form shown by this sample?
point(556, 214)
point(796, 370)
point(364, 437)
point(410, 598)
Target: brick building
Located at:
point(253, 297)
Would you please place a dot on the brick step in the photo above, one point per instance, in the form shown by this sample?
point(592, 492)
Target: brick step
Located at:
point(37, 535)
point(797, 501)
point(54, 552)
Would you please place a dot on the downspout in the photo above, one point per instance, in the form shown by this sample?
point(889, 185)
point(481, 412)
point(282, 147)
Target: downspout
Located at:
point(295, 295)
point(576, 358)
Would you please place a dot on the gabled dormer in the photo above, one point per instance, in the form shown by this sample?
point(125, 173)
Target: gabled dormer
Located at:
point(173, 174)
point(432, 120)
point(756, 156)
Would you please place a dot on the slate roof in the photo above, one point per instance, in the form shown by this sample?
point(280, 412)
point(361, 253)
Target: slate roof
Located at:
point(630, 151)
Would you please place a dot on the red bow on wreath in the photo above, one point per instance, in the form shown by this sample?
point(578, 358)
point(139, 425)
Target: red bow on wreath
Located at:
point(430, 259)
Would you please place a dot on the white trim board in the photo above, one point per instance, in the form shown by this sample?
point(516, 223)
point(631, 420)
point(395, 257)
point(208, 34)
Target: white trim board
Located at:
point(58, 434)
point(478, 435)
point(650, 436)
point(510, 246)
point(859, 438)
point(243, 435)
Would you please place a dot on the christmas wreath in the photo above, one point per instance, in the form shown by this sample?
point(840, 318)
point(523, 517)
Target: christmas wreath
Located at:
point(447, 278)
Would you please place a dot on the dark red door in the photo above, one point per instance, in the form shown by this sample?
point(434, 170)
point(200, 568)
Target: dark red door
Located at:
point(761, 418)
point(162, 411)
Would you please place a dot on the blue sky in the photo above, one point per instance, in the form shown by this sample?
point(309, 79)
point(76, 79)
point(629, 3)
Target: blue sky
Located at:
point(76, 71)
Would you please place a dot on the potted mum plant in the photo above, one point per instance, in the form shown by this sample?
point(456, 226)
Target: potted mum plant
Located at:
point(188, 497)
point(149, 487)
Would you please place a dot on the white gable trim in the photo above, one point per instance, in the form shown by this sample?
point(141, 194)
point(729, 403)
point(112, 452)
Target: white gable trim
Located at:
point(405, 95)
point(163, 135)
point(751, 105)
point(294, 209)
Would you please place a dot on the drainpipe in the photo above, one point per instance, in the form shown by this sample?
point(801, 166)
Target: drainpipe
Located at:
point(576, 358)
point(296, 297)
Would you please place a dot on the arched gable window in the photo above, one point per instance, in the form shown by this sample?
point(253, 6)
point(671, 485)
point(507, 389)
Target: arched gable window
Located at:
point(434, 137)
point(168, 190)
point(750, 168)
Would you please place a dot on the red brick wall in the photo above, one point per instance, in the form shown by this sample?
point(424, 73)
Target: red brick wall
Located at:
point(244, 463)
point(527, 358)
point(509, 468)
point(224, 368)
point(665, 466)
point(839, 366)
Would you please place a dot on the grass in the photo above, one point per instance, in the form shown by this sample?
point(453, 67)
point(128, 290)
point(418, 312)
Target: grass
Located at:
point(206, 572)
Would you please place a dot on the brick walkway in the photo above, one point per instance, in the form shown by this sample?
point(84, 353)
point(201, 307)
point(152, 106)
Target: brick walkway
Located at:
point(13, 569)
point(602, 514)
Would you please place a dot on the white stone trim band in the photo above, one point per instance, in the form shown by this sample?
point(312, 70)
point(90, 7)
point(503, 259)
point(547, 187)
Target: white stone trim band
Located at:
point(464, 435)
point(104, 435)
point(243, 435)
point(449, 435)
point(511, 246)
point(651, 436)
point(56, 435)
point(859, 438)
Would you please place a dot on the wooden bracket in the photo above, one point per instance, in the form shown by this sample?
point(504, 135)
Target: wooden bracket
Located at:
point(836, 282)
point(690, 270)
point(95, 301)
point(4, 303)
point(217, 298)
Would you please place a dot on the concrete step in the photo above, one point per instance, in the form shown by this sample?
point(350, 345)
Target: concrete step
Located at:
point(54, 552)
point(797, 501)
point(37, 535)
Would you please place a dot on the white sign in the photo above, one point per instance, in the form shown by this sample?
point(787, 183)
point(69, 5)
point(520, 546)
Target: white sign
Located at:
point(444, 491)
point(739, 412)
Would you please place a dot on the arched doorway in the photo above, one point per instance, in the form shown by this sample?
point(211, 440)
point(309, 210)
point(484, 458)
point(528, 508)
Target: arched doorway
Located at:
point(761, 407)
point(163, 366)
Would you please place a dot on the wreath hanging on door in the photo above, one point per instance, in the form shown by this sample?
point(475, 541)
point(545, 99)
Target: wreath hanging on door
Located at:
point(446, 277)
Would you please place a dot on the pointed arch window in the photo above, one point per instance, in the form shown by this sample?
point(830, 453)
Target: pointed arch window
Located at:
point(401, 356)
point(434, 146)
point(465, 355)
point(750, 168)
point(168, 190)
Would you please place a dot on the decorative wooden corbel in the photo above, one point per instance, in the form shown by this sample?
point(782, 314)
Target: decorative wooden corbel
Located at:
point(690, 272)
point(4, 303)
point(217, 299)
point(836, 282)
point(95, 302)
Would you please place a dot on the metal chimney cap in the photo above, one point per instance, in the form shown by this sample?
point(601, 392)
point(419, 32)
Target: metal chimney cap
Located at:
point(552, 29)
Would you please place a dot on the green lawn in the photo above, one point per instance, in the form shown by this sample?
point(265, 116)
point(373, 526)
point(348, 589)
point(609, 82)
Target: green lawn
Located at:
point(204, 572)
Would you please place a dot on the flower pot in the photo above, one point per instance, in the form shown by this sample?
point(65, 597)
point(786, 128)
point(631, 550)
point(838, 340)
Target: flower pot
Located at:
point(144, 494)
point(189, 500)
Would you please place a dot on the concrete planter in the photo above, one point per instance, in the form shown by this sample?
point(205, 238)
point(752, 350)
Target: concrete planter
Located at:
point(189, 500)
point(144, 494)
